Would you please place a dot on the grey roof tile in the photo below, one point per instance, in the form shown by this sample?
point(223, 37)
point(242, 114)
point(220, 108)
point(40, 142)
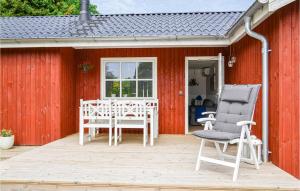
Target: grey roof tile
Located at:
point(215, 24)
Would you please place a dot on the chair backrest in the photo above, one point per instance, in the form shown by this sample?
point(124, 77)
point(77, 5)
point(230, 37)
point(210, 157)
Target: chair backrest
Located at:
point(237, 103)
point(130, 109)
point(152, 103)
point(96, 109)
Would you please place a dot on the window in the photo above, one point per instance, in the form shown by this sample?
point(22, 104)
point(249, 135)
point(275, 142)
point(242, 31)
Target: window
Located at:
point(128, 78)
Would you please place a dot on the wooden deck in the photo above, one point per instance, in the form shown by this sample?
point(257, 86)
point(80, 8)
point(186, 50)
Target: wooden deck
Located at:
point(16, 150)
point(64, 165)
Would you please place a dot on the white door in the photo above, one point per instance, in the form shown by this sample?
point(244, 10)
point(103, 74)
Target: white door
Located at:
point(220, 80)
point(221, 74)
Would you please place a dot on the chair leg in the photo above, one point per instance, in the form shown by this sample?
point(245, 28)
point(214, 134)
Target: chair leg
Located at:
point(110, 135)
point(199, 154)
point(225, 147)
point(94, 133)
point(81, 135)
point(238, 157)
point(253, 154)
point(116, 136)
point(90, 134)
point(81, 127)
point(217, 145)
point(147, 134)
point(120, 134)
point(144, 137)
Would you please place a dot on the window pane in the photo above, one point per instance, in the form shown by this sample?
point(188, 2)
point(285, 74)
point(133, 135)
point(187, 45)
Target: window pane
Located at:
point(128, 70)
point(112, 89)
point(112, 70)
point(129, 89)
point(145, 89)
point(145, 70)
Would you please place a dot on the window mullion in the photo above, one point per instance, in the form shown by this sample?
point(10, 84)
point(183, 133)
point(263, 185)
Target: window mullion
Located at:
point(136, 80)
point(120, 76)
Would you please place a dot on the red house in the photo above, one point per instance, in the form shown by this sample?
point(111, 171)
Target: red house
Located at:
point(49, 63)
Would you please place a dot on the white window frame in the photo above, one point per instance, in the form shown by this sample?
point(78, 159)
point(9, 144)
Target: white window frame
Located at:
point(128, 59)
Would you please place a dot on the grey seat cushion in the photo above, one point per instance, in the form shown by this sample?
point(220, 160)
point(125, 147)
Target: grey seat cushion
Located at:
point(216, 135)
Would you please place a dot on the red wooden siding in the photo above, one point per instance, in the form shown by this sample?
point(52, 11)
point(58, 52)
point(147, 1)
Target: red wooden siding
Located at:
point(31, 102)
point(282, 31)
point(170, 77)
point(68, 92)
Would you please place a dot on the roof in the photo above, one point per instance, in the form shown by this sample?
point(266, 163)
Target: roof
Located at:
point(206, 24)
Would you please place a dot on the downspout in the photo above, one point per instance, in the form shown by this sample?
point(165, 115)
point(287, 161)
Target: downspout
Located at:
point(265, 86)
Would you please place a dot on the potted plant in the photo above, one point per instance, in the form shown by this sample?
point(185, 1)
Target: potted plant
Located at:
point(6, 139)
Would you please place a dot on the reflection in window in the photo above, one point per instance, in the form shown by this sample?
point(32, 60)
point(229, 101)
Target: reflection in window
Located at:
point(112, 70)
point(112, 89)
point(145, 70)
point(129, 89)
point(128, 70)
point(145, 89)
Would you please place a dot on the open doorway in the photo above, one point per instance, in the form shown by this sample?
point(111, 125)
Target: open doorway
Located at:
point(204, 81)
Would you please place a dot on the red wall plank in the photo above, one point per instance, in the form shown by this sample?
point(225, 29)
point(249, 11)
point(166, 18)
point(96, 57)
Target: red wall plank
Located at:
point(68, 92)
point(296, 109)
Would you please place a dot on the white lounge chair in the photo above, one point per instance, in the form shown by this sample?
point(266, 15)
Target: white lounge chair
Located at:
point(130, 114)
point(232, 124)
point(95, 114)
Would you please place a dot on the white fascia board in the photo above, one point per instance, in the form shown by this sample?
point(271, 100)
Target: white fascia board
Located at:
point(85, 44)
point(277, 4)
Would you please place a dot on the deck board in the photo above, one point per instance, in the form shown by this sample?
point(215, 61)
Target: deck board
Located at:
point(16, 150)
point(63, 164)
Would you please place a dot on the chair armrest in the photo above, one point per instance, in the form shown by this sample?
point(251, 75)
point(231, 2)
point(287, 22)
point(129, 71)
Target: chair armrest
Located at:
point(209, 112)
point(202, 120)
point(242, 123)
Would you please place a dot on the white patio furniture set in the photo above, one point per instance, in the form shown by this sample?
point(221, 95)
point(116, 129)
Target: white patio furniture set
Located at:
point(230, 124)
point(116, 115)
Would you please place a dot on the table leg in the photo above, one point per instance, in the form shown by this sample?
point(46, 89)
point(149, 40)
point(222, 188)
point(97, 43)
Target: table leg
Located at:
point(151, 127)
point(155, 124)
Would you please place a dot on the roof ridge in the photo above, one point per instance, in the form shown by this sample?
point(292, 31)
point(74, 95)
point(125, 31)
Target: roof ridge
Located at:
point(132, 14)
point(172, 13)
point(37, 16)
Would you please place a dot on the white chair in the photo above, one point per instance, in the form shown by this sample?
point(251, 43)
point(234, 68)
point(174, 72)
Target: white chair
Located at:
point(130, 114)
point(232, 124)
point(95, 114)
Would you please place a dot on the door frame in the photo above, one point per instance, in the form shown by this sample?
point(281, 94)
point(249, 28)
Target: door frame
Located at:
point(220, 60)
